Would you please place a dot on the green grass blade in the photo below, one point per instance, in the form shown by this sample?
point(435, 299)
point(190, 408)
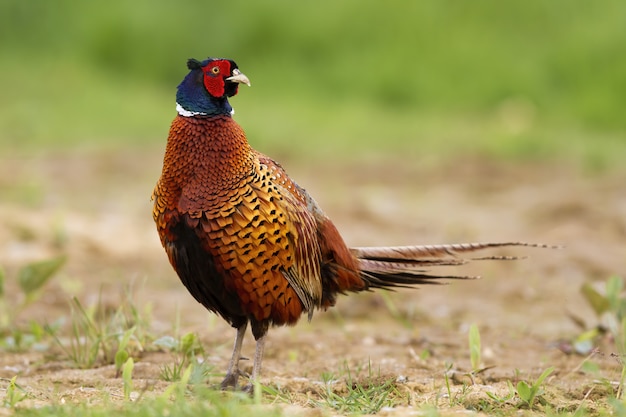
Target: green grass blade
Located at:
point(475, 347)
point(597, 301)
point(543, 376)
point(127, 377)
point(34, 275)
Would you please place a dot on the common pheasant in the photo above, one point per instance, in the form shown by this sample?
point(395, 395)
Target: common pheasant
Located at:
point(248, 242)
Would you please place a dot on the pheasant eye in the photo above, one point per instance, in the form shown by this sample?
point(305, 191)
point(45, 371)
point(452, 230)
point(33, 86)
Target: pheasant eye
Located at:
point(215, 70)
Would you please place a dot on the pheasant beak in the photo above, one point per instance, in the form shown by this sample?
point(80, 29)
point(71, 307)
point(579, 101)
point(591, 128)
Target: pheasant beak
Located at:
point(238, 77)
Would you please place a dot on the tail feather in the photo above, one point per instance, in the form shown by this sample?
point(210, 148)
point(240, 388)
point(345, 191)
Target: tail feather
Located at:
point(406, 280)
point(434, 251)
point(404, 266)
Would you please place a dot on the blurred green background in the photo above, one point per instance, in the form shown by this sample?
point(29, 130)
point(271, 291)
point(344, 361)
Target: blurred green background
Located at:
point(517, 79)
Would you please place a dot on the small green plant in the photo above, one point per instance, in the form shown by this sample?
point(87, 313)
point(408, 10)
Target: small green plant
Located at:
point(178, 389)
point(278, 394)
point(187, 349)
point(14, 394)
point(100, 337)
point(84, 341)
point(366, 397)
point(33, 276)
point(31, 279)
point(503, 398)
point(528, 393)
point(454, 398)
point(610, 309)
point(122, 355)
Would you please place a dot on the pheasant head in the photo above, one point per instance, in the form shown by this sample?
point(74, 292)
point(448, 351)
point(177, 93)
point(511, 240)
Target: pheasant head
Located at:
point(205, 90)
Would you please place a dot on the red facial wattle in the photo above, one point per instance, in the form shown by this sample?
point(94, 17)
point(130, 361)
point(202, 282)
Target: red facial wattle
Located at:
point(214, 74)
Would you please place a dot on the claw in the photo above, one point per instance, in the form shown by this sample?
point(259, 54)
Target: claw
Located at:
point(230, 381)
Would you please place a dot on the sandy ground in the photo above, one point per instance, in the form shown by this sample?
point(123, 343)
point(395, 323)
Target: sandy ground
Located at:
point(95, 208)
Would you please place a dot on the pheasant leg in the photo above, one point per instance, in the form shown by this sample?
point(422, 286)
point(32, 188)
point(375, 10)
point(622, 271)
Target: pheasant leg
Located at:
point(232, 374)
point(256, 368)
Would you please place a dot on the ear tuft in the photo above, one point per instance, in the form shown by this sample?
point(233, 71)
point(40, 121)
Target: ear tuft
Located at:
point(193, 64)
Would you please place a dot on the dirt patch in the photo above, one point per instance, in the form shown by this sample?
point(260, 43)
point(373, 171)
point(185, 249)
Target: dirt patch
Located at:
point(96, 209)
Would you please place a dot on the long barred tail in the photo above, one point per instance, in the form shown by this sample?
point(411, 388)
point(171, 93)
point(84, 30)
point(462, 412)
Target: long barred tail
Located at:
point(403, 266)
